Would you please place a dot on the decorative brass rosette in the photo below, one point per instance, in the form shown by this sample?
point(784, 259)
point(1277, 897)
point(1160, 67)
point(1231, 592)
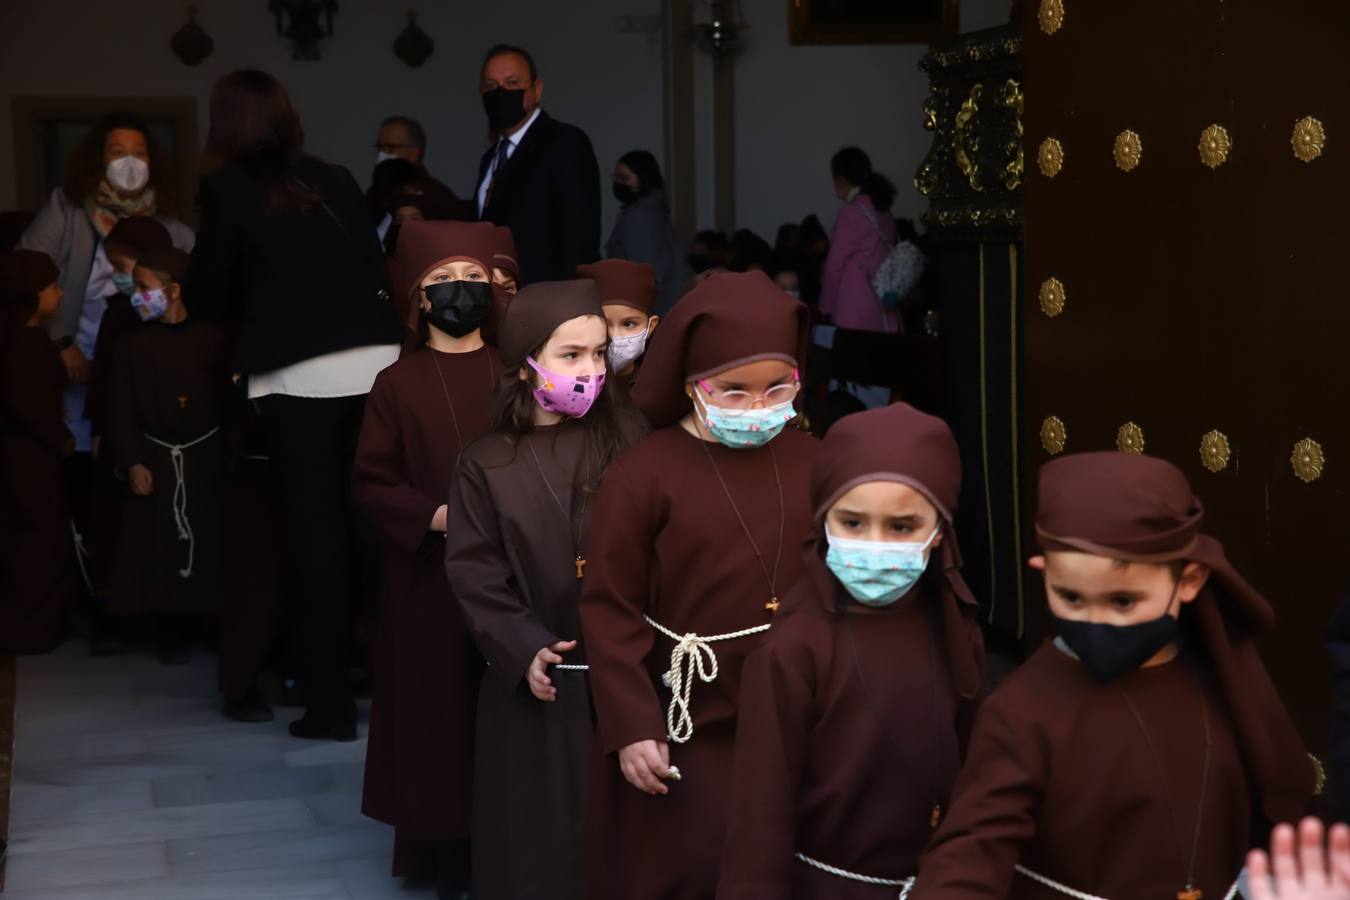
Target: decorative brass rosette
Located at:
point(1215, 451)
point(1050, 157)
point(1130, 439)
point(1052, 297)
point(1308, 460)
point(1051, 16)
point(1128, 150)
point(1309, 139)
point(1214, 146)
point(1053, 435)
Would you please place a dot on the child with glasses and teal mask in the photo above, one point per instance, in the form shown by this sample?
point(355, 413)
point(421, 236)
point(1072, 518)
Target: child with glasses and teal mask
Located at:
point(696, 538)
point(855, 709)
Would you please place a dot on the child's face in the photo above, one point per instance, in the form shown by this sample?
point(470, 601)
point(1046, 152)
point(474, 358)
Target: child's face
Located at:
point(883, 511)
point(121, 259)
point(149, 280)
point(506, 280)
point(576, 347)
point(49, 301)
point(459, 270)
point(624, 320)
point(1083, 587)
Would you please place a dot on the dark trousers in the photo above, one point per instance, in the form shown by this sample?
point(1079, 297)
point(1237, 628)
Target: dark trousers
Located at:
point(328, 550)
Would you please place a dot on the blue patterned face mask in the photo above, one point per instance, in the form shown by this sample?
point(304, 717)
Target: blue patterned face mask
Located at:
point(877, 573)
point(742, 426)
point(149, 305)
point(125, 284)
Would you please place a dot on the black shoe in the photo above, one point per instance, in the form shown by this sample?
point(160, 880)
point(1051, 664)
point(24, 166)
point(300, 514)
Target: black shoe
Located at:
point(311, 727)
point(249, 708)
point(106, 637)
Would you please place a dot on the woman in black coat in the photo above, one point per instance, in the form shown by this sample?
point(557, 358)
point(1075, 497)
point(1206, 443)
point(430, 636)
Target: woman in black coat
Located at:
point(288, 256)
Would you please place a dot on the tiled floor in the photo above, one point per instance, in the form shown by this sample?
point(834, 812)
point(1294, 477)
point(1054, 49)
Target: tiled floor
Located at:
point(130, 785)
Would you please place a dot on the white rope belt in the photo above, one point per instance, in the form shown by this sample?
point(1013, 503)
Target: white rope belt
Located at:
point(1082, 895)
point(692, 656)
point(82, 556)
point(180, 499)
point(566, 668)
point(904, 884)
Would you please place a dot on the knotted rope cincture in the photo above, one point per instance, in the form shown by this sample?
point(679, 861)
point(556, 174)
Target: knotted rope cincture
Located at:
point(904, 884)
point(180, 498)
point(692, 657)
point(1082, 895)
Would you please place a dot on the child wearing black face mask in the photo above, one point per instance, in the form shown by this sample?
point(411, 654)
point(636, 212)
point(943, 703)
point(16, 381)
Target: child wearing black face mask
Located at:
point(1131, 756)
point(421, 413)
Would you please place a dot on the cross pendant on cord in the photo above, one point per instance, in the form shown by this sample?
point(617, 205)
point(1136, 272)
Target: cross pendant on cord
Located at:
point(182, 401)
point(1191, 893)
point(772, 605)
point(581, 567)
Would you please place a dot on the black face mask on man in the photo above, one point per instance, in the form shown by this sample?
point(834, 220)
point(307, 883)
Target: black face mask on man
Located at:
point(504, 107)
point(458, 307)
point(625, 194)
point(1110, 651)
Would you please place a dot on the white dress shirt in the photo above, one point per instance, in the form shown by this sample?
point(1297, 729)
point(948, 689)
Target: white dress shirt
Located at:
point(512, 142)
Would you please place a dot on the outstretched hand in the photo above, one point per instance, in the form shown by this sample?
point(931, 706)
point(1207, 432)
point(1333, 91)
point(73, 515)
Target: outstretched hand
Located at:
point(1302, 868)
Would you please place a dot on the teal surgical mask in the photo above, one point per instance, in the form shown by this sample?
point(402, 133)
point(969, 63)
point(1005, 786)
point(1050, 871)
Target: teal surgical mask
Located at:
point(748, 428)
point(125, 284)
point(877, 573)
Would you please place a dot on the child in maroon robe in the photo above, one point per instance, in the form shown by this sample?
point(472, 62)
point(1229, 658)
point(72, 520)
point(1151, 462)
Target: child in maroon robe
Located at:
point(421, 414)
point(628, 293)
point(36, 560)
point(520, 508)
point(697, 531)
point(1131, 756)
point(855, 709)
point(129, 238)
point(170, 392)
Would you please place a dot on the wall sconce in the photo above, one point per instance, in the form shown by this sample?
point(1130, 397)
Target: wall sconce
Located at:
point(304, 29)
point(721, 34)
point(413, 45)
point(191, 44)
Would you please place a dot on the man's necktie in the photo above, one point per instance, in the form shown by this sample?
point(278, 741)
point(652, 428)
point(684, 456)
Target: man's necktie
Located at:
point(503, 146)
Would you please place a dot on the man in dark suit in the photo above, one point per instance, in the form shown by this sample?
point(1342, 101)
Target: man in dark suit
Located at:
point(540, 178)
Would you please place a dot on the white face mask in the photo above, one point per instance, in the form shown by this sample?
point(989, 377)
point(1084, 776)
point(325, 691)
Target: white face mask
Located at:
point(382, 156)
point(623, 351)
point(128, 174)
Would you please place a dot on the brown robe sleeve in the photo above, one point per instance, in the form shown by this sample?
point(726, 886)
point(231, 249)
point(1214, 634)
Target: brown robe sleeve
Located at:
point(477, 563)
point(32, 402)
point(613, 602)
point(772, 736)
point(380, 483)
point(993, 811)
point(124, 431)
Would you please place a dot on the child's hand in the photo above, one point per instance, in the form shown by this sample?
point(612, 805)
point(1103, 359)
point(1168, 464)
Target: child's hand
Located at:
point(1303, 870)
point(646, 764)
point(77, 366)
point(142, 482)
point(438, 520)
point(540, 684)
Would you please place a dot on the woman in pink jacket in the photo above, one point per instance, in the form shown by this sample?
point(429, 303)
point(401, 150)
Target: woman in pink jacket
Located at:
point(863, 235)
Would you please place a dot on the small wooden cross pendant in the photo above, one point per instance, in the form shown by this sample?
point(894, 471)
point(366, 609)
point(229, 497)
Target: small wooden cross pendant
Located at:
point(581, 568)
point(936, 816)
point(1191, 893)
point(772, 605)
point(182, 401)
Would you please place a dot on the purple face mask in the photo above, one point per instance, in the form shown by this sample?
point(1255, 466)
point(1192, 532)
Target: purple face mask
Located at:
point(570, 395)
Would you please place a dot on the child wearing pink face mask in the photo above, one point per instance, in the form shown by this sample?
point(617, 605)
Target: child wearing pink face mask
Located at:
point(519, 511)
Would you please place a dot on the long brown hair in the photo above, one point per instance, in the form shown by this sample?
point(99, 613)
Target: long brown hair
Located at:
point(255, 126)
point(87, 168)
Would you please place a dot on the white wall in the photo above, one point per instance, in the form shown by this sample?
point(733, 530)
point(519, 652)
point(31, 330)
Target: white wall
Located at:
point(796, 106)
point(608, 83)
